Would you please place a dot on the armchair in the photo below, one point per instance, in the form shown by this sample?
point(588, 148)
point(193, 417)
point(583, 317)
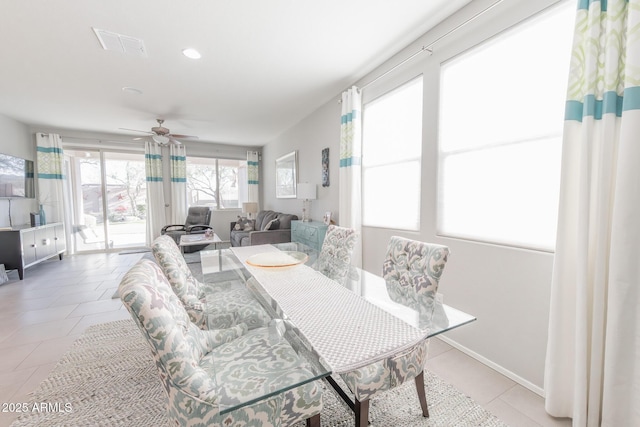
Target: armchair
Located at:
point(203, 372)
point(198, 218)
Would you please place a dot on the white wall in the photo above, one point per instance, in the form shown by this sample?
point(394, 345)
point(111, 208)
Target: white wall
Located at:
point(309, 137)
point(506, 288)
point(17, 141)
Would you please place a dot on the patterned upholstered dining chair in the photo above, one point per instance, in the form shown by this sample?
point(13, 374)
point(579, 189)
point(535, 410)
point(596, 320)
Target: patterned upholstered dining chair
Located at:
point(211, 305)
point(334, 260)
point(413, 269)
point(202, 370)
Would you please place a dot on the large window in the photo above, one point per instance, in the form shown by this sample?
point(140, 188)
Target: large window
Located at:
point(391, 150)
point(218, 183)
point(501, 120)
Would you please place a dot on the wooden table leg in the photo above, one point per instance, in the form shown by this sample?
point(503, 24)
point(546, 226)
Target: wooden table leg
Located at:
point(422, 395)
point(314, 421)
point(361, 410)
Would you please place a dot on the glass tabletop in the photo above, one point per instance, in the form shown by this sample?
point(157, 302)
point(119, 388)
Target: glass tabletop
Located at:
point(221, 265)
point(430, 317)
point(433, 317)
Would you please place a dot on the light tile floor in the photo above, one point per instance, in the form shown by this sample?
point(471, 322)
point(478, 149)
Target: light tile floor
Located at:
point(42, 315)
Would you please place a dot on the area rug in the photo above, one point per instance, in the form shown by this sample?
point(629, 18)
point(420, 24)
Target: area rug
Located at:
point(108, 378)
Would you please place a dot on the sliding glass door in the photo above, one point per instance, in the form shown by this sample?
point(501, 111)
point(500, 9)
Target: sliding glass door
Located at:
point(108, 199)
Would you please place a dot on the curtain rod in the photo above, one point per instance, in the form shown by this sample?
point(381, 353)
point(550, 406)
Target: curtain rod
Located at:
point(428, 47)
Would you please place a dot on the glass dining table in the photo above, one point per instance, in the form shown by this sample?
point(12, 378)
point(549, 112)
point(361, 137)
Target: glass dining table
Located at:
point(332, 327)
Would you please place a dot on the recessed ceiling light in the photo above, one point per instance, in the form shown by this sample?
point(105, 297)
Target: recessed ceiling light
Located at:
point(132, 90)
point(191, 53)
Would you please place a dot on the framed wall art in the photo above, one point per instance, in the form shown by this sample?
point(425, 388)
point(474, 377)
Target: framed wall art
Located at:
point(286, 176)
point(325, 167)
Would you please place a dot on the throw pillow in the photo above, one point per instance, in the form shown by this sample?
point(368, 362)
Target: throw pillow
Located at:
point(243, 224)
point(272, 225)
point(239, 223)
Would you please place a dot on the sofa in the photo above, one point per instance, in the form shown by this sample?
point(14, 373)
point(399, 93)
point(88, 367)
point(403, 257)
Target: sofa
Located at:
point(268, 227)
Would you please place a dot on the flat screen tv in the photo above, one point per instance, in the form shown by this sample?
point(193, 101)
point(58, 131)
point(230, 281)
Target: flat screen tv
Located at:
point(16, 177)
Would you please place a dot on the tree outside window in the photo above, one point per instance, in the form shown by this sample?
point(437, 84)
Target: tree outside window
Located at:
point(218, 183)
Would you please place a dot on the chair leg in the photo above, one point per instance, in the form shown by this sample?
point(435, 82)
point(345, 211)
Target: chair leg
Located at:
point(361, 410)
point(314, 421)
point(422, 395)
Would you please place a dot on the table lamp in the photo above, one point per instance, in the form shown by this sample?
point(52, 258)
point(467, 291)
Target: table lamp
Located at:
point(306, 192)
point(249, 208)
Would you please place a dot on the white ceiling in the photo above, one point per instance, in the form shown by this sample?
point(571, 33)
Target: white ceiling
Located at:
point(265, 64)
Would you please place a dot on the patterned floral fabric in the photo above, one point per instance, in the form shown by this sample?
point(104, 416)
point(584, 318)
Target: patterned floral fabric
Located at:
point(334, 260)
point(204, 371)
point(386, 374)
point(209, 305)
point(412, 270)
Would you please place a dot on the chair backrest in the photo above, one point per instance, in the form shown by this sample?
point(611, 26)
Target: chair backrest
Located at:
point(198, 215)
point(412, 270)
point(186, 287)
point(177, 344)
point(334, 260)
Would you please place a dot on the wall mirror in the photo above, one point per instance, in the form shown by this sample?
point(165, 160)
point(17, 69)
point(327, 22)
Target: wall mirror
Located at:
point(286, 176)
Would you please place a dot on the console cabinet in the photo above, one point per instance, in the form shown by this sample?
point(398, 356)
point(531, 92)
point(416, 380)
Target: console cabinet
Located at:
point(309, 233)
point(24, 246)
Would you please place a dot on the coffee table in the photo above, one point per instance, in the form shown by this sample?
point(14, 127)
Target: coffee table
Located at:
point(199, 239)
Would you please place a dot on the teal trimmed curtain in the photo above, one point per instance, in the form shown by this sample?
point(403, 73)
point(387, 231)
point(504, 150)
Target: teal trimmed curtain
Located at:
point(350, 184)
point(156, 216)
point(253, 177)
point(50, 174)
point(593, 349)
point(178, 161)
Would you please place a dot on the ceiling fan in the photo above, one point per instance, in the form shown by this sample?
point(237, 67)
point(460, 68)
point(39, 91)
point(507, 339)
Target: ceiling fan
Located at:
point(162, 135)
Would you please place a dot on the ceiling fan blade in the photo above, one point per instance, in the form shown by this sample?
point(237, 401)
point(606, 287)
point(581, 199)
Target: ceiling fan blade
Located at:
point(184, 136)
point(136, 130)
point(172, 140)
point(139, 138)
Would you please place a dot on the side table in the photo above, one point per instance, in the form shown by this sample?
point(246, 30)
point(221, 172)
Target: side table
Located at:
point(309, 233)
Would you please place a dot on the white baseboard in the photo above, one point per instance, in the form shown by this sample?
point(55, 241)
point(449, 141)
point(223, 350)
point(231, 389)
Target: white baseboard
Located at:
point(525, 383)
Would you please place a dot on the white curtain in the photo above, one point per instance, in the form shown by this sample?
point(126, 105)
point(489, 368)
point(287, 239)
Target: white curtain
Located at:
point(593, 354)
point(178, 184)
point(253, 177)
point(350, 186)
point(155, 191)
point(50, 172)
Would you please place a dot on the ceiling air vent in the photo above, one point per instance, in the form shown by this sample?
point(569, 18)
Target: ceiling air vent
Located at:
point(124, 44)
